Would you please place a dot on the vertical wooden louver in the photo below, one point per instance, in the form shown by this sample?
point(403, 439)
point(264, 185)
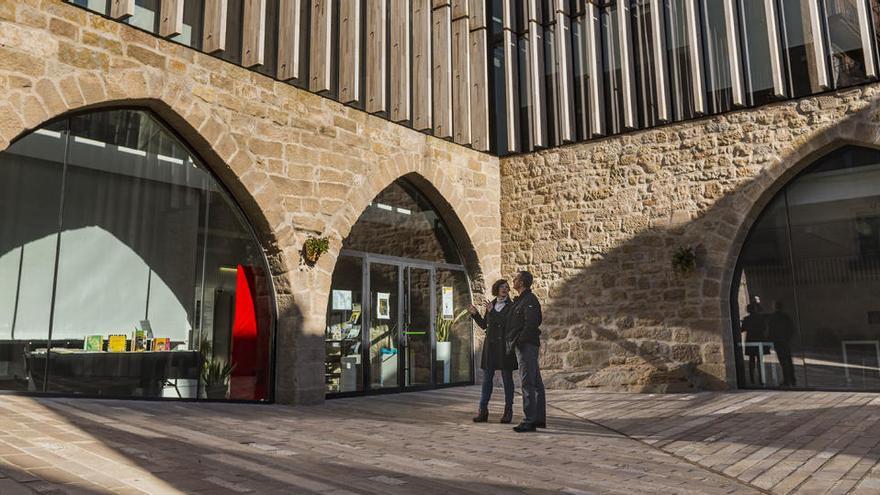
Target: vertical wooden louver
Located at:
point(214, 37)
point(537, 100)
point(170, 18)
point(511, 74)
point(320, 63)
point(461, 80)
point(290, 39)
point(400, 61)
point(479, 77)
point(349, 51)
point(421, 70)
point(564, 73)
point(377, 62)
point(441, 72)
point(253, 33)
point(121, 9)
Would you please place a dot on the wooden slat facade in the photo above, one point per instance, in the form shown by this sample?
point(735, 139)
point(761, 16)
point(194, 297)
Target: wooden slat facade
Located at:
point(479, 90)
point(377, 68)
point(214, 36)
point(441, 72)
point(121, 9)
point(400, 61)
point(421, 65)
point(253, 45)
point(170, 18)
point(349, 52)
point(461, 81)
point(321, 39)
point(291, 17)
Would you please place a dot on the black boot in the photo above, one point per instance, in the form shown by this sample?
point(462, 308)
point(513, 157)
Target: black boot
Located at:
point(482, 416)
point(507, 417)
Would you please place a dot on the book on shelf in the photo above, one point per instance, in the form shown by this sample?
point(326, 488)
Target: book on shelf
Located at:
point(116, 343)
point(161, 344)
point(93, 343)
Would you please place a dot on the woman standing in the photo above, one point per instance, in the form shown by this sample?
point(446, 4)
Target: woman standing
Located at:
point(495, 355)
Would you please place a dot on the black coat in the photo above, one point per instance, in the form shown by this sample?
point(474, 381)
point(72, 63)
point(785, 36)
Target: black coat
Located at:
point(495, 355)
point(524, 321)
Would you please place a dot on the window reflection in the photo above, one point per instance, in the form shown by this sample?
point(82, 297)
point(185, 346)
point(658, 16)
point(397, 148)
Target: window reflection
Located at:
point(759, 59)
point(719, 78)
point(848, 60)
point(680, 59)
point(810, 270)
point(805, 58)
point(159, 288)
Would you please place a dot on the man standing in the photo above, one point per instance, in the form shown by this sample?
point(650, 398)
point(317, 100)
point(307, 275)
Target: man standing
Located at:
point(524, 337)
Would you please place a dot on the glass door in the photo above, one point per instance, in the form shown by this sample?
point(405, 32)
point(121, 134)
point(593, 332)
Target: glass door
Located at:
point(417, 340)
point(384, 339)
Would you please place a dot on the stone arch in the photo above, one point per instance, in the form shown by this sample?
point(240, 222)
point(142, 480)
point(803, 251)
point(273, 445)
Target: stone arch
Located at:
point(861, 129)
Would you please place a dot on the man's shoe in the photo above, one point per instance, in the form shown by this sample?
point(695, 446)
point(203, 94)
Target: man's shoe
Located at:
point(482, 417)
point(542, 424)
point(507, 417)
point(524, 427)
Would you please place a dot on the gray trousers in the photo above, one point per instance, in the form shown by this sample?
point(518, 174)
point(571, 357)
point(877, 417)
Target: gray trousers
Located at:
point(534, 400)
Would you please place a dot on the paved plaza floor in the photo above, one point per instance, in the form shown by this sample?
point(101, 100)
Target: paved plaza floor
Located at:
point(425, 443)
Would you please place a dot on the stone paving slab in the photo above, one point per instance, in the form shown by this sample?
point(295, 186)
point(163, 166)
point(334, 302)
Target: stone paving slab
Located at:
point(425, 443)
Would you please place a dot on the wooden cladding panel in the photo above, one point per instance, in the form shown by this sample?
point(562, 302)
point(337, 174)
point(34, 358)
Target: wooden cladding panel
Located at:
point(536, 87)
point(253, 33)
point(171, 18)
point(400, 61)
point(565, 91)
point(121, 9)
point(459, 9)
point(290, 39)
point(377, 63)
point(477, 13)
point(421, 71)
point(479, 90)
point(511, 89)
point(320, 63)
point(441, 71)
point(214, 37)
point(461, 82)
point(349, 51)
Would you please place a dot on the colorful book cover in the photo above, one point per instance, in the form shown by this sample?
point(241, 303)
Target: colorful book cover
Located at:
point(116, 343)
point(93, 342)
point(161, 344)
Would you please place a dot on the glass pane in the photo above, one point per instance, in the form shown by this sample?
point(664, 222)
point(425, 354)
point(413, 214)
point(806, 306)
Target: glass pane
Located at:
point(759, 71)
point(146, 15)
point(270, 44)
point(454, 329)
point(835, 230)
point(30, 198)
point(719, 83)
point(767, 340)
point(800, 49)
point(191, 34)
point(613, 73)
point(678, 53)
point(845, 42)
point(417, 331)
point(234, 19)
point(99, 6)
point(644, 59)
point(384, 297)
point(343, 370)
point(400, 222)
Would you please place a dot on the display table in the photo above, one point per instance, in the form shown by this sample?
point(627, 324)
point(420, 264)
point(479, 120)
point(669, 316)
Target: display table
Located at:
point(869, 343)
point(142, 373)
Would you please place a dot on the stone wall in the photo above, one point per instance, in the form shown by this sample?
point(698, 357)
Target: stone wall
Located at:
point(598, 224)
point(297, 163)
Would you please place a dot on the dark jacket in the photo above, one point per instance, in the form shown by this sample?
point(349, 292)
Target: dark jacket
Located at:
point(495, 355)
point(524, 321)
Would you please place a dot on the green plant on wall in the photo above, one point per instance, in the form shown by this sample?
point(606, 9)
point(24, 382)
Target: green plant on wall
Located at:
point(443, 326)
point(684, 260)
point(314, 247)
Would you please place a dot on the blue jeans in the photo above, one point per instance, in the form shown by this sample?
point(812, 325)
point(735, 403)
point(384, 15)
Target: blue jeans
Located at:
point(486, 392)
point(534, 401)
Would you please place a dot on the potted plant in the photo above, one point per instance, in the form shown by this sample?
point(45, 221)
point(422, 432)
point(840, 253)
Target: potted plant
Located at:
point(684, 260)
point(314, 247)
point(215, 376)
point(442, 329)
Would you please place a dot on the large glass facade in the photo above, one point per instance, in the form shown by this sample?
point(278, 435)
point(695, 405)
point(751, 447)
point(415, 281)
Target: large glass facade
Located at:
point(126, 269)
point(807, 293)
point(396, 314)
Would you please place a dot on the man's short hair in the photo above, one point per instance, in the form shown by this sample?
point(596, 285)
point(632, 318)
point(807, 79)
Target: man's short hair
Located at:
point(526, 278)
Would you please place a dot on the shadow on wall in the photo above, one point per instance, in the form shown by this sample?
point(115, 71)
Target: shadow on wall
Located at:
point(616, 313)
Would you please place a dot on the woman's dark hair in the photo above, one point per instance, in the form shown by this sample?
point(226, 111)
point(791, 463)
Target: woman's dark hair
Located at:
point(497, 285)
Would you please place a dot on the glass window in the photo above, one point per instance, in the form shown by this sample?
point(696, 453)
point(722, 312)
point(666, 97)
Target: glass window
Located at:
point(804, 56)
point(146, 15)
point(99, 6)
point(160, 289)
point(816, 252)
point(343, 338)
point(848, 60)
point(30, 197)
point(680, 52)
point(453, 327)
point(400, 222)
point(719, 83)
point(193, 19)
point(384, 325)
point(650, 89)
point(613, 74)
point(270, 43)
point(234, 20)
point(760, 60)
